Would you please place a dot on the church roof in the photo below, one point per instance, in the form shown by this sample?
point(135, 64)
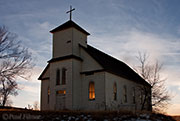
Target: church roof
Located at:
point(69, 24)
point(114, 66)
point(44, 71)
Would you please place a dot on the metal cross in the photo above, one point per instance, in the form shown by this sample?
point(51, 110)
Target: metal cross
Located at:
point(70, 11)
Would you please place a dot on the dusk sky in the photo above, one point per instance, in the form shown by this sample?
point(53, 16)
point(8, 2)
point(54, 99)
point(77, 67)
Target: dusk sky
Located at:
point(120, 28)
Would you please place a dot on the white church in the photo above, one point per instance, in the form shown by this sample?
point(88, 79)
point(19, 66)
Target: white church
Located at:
point(81, 77)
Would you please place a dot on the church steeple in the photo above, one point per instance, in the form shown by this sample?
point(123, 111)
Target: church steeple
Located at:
point(67, 38)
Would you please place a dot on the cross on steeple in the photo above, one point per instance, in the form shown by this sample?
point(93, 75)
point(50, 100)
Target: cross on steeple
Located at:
point(70, 11)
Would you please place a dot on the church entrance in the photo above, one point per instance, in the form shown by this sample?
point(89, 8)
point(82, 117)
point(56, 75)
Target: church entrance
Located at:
point(61, 100)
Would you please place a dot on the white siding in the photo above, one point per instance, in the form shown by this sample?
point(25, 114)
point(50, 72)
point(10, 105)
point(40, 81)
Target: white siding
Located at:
point(77, 84)
point(121, 82)
point(62, 43)
point(44, 95)
point(68, 86)
point(89, 64)
point(98, 103)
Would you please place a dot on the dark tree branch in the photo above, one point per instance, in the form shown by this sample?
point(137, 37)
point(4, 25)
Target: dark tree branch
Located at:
point(15, 61)
point(151, 73)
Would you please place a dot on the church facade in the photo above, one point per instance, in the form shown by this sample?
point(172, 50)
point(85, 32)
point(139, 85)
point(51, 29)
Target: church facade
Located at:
point(81, 77)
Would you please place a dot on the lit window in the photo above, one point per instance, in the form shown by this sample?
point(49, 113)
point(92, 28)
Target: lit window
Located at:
point(63, 76)
point(133, 94)
point(91, 91)
point(48, 95)
point(57, 77)
point(61, 92)
point(125, 94)
point(115, 91)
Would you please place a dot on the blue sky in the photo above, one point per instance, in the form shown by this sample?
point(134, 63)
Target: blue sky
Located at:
point(120, 28)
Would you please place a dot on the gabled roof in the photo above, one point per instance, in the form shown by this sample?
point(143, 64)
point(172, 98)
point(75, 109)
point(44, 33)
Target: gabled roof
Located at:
point(114, 66)
point(54, 60)
point(44, 71)
point(69, 24)
point(64, 58)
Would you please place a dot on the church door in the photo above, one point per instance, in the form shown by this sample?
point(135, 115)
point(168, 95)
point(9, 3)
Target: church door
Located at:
point(60, 100)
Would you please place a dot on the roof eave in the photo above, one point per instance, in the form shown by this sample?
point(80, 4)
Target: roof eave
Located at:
point(69, 24)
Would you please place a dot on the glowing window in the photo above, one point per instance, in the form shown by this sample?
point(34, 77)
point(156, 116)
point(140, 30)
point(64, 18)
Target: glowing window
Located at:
point(61, 92)
point(91, 91)
point(115, 91)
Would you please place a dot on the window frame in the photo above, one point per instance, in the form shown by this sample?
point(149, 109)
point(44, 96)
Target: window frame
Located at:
point(125, 93)
point(58, 76)
point(48, 95)
point(61, 92)
point(134, 95)
point(115, 91)
point(91, 92)
point(64, 74)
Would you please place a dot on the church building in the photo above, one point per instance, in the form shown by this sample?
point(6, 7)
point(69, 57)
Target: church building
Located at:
point(81, 77)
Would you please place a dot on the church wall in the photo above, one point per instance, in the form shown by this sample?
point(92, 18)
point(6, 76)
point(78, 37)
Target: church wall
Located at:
point(98, 103)
point(44, 97)
point(62, 43)
point(67, 64)
point(120, 103)
point(89, 64)
point(77, 84)
point(78, 38)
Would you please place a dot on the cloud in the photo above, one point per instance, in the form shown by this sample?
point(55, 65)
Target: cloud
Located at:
point(174, 109)
point(131, 41)
point(30, 89)
point(32, 85)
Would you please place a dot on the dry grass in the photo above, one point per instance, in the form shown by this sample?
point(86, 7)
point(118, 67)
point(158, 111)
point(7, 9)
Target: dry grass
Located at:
point(96, 115)
point(177, 118)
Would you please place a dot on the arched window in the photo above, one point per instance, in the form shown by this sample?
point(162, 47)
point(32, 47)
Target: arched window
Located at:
point(48, 94)
point(133, 94)
point(115, 91)
point(141, 97)
point(91, 91)
point(63, 76)
point(125, 94)
point(57, 77)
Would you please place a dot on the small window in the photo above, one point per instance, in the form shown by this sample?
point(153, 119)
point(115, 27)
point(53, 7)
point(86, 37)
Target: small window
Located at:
point(89, 73)
point(57, 77)
point(64, 76)
point(115, 91)
point(133, 94)
point(125, 94)
point(91, 91)
point(141, 97)
point(48, 94)
point(61, 92)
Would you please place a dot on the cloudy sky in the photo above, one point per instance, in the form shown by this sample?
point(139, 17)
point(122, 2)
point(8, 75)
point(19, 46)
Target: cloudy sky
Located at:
point(120, 28)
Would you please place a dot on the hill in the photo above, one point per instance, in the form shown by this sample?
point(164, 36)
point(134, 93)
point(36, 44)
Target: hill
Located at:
point(29, 115)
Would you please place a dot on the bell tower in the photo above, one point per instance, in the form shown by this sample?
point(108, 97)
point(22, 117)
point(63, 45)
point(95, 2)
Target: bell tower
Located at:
point(67, 37)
